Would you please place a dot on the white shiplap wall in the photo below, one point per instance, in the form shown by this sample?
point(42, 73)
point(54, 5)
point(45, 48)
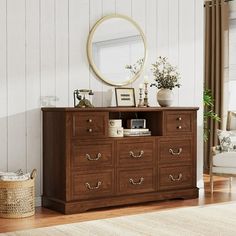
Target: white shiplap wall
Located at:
point(43, 53)
point(232, 10)
point(231, 82)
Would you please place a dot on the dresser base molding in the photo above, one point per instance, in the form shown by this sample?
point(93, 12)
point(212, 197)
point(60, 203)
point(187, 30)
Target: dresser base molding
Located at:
point(82, 206)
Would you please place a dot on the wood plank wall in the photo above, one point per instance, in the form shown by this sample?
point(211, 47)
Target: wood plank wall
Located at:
point(43, 53)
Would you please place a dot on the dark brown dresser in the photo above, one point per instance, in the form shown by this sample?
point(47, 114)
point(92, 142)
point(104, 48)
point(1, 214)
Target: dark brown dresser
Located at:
point(84, 169)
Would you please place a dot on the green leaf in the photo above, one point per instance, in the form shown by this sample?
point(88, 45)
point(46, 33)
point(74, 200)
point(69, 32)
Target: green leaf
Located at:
point(208, 114)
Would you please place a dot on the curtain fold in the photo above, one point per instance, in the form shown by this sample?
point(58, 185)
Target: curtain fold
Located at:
point(216, 43)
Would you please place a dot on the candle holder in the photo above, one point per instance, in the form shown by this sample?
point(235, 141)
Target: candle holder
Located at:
point(145, 102)
point(140, 104)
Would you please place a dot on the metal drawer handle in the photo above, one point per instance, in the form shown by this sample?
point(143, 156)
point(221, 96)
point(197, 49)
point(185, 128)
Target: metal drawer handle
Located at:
point(136, 183)
point(90, 120)
point(90, 130)
point(179, 118)
point(99, 155)
point(179, 127)
point(89, 187)
point(172, 152)
point(176, 179)
point(136, 156)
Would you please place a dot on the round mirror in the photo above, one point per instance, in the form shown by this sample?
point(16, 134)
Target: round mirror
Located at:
point(116, 50)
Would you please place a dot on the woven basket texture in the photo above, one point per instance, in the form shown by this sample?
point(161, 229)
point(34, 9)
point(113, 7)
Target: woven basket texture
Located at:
point(17, 198)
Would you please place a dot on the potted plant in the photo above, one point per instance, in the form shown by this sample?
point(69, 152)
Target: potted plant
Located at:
point(166, 79)
point(208, 103)
point(136, 67)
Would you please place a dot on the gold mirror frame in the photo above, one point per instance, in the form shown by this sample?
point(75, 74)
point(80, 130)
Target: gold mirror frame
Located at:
point(96, 71)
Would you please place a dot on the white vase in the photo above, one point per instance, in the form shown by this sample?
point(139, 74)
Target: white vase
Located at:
point(165, 97)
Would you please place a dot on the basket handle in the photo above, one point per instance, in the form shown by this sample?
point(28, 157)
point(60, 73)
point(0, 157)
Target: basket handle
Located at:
point(33, 174)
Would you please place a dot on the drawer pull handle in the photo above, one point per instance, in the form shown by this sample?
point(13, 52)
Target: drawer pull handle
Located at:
point(136, 156)
point(89, 187)
point(90, 120)
point(176, 179)
point(99, 155)
point(90, 130)
point(179, 127)
point(136, 183)
point(179, 118)
point(172, 152)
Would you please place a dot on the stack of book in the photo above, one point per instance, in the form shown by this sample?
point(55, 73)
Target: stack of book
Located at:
point(137, 132)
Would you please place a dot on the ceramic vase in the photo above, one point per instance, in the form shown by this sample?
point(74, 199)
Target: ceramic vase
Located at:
point(165, 97)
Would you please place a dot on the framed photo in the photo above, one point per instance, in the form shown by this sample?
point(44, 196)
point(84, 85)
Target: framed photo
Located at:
point(125, 97)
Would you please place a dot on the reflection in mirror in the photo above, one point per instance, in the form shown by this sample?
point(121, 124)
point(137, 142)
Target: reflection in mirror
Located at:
point(115, 43)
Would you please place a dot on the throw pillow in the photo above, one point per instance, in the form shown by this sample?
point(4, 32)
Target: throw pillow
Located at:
point(233, 138)
point(225, 138)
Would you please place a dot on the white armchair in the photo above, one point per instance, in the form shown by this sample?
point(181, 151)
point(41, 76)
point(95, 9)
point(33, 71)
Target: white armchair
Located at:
point(223, 163)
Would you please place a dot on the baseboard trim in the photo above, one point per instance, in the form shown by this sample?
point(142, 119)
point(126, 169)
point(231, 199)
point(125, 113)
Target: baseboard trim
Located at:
point(200, 183)
point(38, 201)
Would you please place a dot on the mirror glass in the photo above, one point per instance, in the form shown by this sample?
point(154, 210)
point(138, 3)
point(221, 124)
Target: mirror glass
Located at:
point(117, 50)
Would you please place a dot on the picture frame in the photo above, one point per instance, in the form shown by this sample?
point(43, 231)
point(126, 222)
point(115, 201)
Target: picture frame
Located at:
point(125, 97)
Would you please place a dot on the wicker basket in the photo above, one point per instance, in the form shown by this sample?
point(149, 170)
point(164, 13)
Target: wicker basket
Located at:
point(17, 198)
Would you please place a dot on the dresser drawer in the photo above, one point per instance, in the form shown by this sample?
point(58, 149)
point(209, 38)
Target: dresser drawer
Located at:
point(136, 181)
point(136, 152)
point(178, 122)
point(175, 151)
point(175, 177)
point(95, 154)
point(89, 124)
point(92, 184)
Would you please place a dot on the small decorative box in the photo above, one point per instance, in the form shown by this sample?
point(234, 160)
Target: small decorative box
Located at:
point(115, 123)
point(116, 132)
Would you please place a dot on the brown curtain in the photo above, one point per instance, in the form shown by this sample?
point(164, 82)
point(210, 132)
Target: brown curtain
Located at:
point(216, 28)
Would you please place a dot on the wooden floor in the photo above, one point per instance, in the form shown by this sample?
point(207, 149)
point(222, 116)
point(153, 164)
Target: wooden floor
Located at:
point(45, 217)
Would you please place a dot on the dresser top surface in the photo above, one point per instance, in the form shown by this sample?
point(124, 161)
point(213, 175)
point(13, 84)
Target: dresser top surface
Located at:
point(118, 109)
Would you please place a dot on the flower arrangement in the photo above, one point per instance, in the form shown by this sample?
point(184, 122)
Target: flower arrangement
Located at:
point(166, 75)
point(136, 67)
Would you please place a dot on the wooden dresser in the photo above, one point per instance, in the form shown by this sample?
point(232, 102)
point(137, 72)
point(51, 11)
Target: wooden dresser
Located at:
point(83, 168)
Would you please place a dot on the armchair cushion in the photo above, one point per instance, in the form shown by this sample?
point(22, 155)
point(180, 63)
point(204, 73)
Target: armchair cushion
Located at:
point(225, 159)
point(224, 170)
